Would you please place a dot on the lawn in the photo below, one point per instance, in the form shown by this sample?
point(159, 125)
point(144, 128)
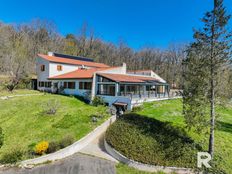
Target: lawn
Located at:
point(124, 169)
point(24, 122)
point(151, 131)
point(171, 111)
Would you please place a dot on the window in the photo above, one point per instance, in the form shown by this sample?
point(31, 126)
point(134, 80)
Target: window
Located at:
point(85, 85)
point(59, 67)
point(48, 84)
point(69, 85)
point(131, 89)
point(151, 89)
point(42, 67)
point(42, 84)
point(106, 89)
point(161, 89)
point(65, 84)
point(45, 84)
point(122, 90)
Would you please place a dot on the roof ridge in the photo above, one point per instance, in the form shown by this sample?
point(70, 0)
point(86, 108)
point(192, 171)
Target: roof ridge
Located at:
point(72, 61)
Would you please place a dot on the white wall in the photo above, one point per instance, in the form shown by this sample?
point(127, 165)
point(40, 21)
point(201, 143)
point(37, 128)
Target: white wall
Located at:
point(65, 68)
point(76, 91)
point(42, 75)
point(117, 70)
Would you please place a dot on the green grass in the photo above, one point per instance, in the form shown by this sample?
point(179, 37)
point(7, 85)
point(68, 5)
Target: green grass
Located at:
point(170, 112)
point(24, 123)
point(124, 169)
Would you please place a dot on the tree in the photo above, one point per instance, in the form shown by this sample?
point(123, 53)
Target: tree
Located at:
point(211, 53)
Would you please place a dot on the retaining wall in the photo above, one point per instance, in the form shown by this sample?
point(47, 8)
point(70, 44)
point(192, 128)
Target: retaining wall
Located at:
point(144, 167)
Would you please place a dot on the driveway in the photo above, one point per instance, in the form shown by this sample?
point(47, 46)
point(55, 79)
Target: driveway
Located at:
point(96, 148)
point(75, 164)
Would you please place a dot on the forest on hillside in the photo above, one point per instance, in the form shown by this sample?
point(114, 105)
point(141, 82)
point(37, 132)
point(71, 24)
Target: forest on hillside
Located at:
point(20, 44)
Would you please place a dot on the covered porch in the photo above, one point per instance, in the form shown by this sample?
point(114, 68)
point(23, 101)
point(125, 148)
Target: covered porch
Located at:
point(134, 91)
point(144, 91)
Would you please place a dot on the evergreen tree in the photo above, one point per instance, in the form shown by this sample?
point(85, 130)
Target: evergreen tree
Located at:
point(207, 57)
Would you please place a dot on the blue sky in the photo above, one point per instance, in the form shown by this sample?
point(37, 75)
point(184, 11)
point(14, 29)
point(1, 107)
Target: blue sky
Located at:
point(137, 22)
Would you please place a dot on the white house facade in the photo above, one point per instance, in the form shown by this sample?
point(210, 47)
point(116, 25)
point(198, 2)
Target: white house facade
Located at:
point(72, 75)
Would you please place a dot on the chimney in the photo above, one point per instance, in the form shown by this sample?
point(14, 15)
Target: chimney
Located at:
point(124, 67)
point(50, 54)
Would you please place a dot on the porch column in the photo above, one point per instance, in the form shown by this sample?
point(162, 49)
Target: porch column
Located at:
point(125, 92)
point(94, 87)
point(144, 91)
point(116, 89)
point(156, 90)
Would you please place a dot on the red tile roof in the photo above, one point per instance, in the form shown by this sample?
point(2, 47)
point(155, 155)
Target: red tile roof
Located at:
point(72, 61)
point(127, 78)
point(80, 73)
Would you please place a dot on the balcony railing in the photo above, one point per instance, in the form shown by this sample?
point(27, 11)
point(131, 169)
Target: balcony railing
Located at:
point(144, 95)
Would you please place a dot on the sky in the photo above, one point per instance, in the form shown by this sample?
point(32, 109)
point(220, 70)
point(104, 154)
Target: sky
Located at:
point(139, 23)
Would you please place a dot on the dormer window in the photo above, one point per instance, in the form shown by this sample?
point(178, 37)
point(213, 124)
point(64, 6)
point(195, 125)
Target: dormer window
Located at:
point(59, 67)
point(42, 67)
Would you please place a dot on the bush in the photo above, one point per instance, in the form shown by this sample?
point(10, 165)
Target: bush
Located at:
point(97, 101)
point(41, 147)
point(151, 141)
point(51, 107)
point(66, 141)
point(53, 147)
point(12, 157)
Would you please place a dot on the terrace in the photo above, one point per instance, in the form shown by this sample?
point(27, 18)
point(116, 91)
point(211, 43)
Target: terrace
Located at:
point(147, 89)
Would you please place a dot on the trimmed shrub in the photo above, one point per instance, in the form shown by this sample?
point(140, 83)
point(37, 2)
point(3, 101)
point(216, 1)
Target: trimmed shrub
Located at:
point(97, 101)
point(151, 141)
point(12, 157)
point(53, 147)
point(66, 141)
point(41, 147)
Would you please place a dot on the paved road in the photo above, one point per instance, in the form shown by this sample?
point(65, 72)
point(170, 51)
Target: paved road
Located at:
point(96, 148)
point(76, 164)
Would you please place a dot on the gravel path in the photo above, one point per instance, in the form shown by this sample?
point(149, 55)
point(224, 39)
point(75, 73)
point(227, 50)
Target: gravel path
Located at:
point(76, 164)
point(17, 95)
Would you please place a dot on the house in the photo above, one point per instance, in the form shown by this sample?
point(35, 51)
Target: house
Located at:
point(72, 75)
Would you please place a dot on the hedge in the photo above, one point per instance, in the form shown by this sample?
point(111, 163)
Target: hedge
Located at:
point(151, 141)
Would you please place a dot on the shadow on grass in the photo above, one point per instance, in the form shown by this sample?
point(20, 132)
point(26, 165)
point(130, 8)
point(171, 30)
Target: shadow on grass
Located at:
point(164, 132)
point(226, 127)
point(81, 98)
